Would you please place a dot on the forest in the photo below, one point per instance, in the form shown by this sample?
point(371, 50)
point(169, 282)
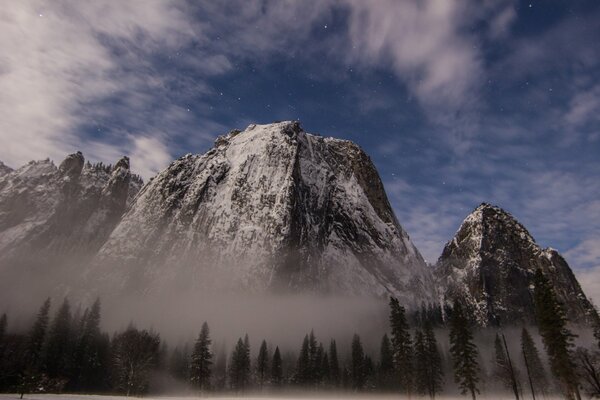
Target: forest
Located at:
point(426, 352)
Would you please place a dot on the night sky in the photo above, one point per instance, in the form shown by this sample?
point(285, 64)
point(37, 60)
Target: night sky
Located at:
point(457, 102)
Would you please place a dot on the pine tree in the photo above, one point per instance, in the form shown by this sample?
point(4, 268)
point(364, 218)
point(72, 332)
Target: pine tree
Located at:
point(420, 364)
point(37, 337)
point(325, 366)
point(386, 364)
point(503, 368)
point(92, 351)
point(59, 345)
point(401, 346)
point(32, 375)
point(464, 352)
point(262, 364)
point(357, 368)
point(557, 338)
point(435, 371)
point(303, 366)
point(310, 360)
point(334, 364)
point(201, 360)
point(277, 368)
point(239, 367)
point(536, 375)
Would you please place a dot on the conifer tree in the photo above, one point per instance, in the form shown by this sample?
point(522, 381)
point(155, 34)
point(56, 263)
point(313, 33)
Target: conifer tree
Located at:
point(92, 350)
point(201, 360)
point(262, 364)
point(37, 337)
point(59, 345)
point(557, 338)
point(534, 368)
point(239, 367)
point(303, 371)
point(401, 346)
point(325, 366)
point(334, 364)
point(420, 364)
point(464, 352)
point(386, 364)
point(357, 367)
point(435, 371)
point(503, 368)
point(277, 368)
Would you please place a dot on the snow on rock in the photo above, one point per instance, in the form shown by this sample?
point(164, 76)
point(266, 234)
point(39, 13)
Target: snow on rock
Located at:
point(70, 209)
point(268, 208)
point(490, 264)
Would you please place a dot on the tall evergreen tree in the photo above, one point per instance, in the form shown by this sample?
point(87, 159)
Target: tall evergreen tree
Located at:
point(503, 368)
point(92, 351)
point(59, 345)
point(201, 360)
point(557, 338)
point(401, 346)
point(420, 364)
point(533, 364)
point(357, 367)
point(435, 370)
point(325, 366)
point(308, 370)
point(37, 337)
point(334, 364)
point(464, 352)
point(386, 364)
point(239, 367)
point(262, 364)
point(277, 368)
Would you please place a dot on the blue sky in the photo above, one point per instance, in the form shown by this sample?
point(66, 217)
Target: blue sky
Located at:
point(457, 102)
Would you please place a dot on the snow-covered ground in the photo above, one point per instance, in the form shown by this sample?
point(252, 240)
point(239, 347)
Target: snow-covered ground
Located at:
point(290, 397)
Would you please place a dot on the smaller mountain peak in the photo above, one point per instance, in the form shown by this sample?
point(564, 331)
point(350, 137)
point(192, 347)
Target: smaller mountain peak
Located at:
point(122, 163)
point(72, 165)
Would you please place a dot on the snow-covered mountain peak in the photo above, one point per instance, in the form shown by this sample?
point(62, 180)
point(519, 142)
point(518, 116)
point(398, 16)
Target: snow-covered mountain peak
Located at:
point(490, 264)
point(269, 207)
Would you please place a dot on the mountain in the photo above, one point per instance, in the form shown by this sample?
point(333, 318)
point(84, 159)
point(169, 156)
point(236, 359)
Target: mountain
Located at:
point(52, 216)
point(490, 264)
point(270, 208)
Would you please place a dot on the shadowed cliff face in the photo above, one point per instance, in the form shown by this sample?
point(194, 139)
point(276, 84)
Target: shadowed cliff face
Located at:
point(269, 208)
point(491, 262)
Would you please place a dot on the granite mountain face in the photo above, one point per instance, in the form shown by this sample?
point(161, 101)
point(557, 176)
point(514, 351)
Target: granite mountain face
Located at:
point(490, 264)
point(268, 209)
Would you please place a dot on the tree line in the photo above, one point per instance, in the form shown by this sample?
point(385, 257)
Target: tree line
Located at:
point(425, 353)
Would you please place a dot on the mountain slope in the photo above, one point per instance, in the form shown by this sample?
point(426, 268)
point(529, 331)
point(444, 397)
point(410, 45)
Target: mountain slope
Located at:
point(490, 264)
point(269, 208)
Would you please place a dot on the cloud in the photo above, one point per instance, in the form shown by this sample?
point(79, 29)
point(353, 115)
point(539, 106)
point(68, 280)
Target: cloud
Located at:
point(67, 65)
point(589, 279)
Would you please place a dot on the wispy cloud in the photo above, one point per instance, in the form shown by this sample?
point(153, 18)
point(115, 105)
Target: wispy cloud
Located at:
point(67, 66)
